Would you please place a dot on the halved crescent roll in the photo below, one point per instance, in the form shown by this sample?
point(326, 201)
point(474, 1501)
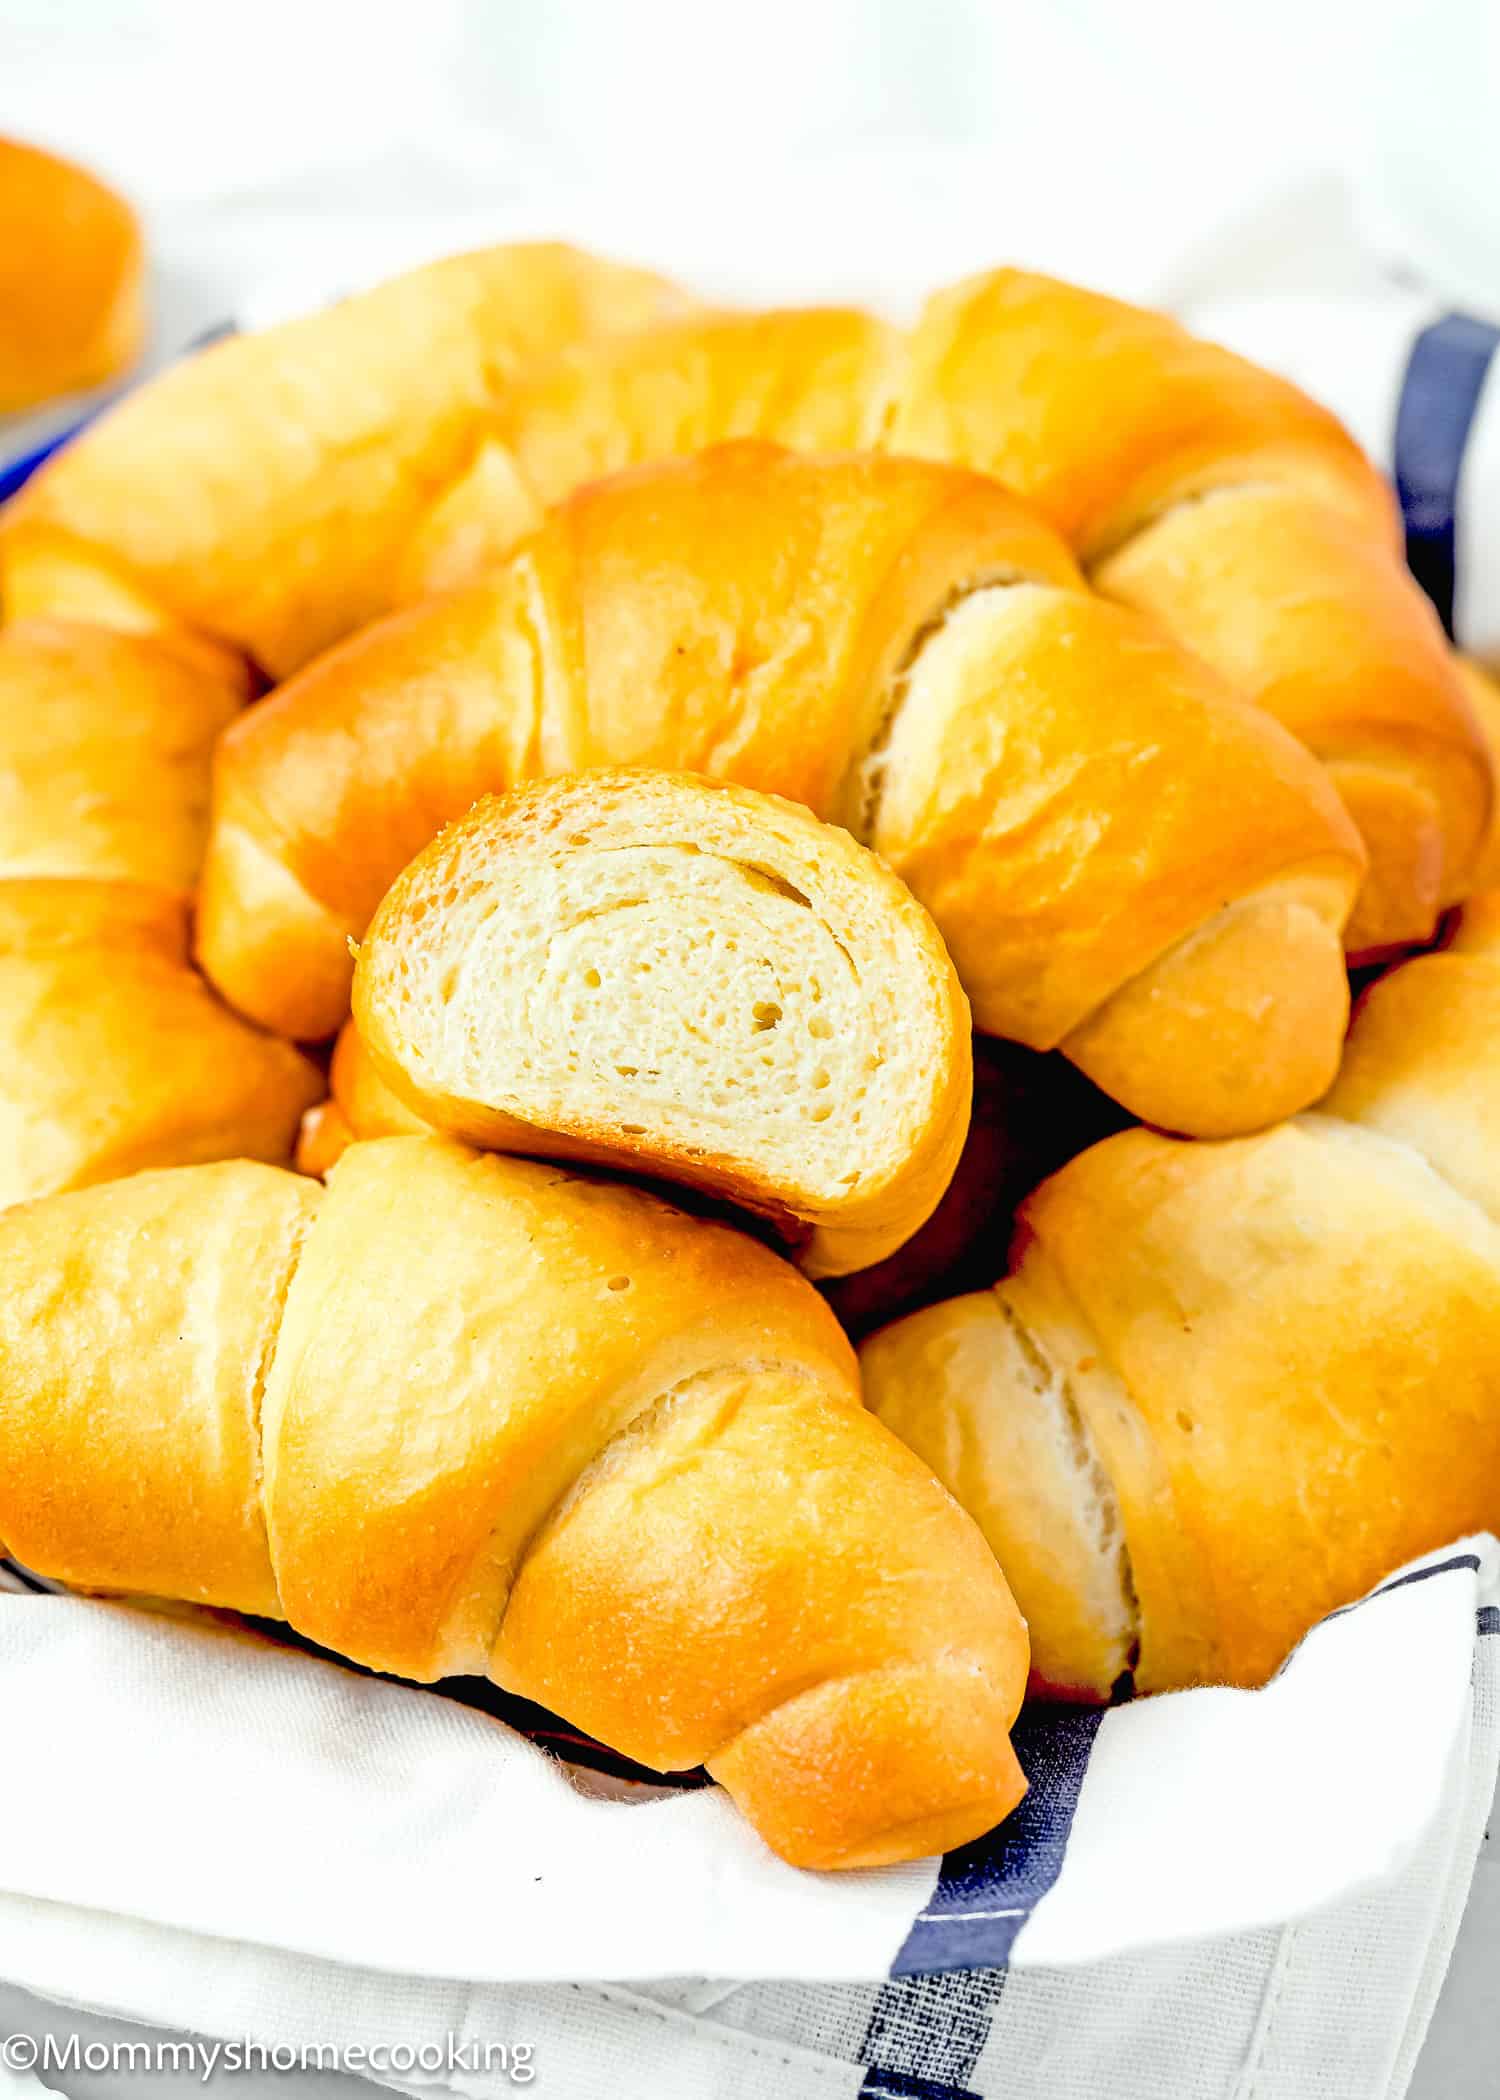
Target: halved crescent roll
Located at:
point(692, 980)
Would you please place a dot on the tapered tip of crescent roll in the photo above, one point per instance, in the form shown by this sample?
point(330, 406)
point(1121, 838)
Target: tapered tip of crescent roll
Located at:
point(1237, 1026)
point(72, 273)
point(693, 980)
point(839, 1777)
point(1164, 903)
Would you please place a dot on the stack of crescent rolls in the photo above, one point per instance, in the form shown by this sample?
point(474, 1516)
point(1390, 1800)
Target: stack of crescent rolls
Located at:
point(628, 747)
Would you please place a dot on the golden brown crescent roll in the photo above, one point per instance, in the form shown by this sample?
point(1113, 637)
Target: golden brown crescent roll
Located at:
point(261, 491)
point(1189, 483)
point(700, 983)
point(650, 1498)
point(1226, 1388)
point(114, 1054)
point(1122, 859)
point(72, 276)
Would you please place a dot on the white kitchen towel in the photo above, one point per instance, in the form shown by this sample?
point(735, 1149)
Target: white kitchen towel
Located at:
point(266, 1797)
point(341, 1791)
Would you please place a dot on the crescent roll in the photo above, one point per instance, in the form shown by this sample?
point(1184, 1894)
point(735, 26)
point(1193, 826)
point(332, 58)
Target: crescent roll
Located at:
point(1226, 1388)
point(459, 1413)
point(72, 279)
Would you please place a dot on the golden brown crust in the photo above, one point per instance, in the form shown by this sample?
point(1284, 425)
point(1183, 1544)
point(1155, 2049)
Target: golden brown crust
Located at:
point(359, 1105)
point(502, 1417)
point(650, 1300)
point(1194, 1044)
point(135, 1327)
point(262, 490)
point(72, 279)
point(115, 1054)
point(985, 806)
point(1104, 415)
point(105, 746)
point(834, 1778)
point(823, 1497)
point(900, 647)
point(817, 380)
point(1419, 1065)
point(1307, 1281)
point(1315, 620)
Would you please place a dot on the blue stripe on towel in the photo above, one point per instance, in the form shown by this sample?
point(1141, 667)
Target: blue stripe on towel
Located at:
point(1489, 1618)
point(1445, 375)
point(925, 2035)
point(15, 473)
point(928, 2026)
point(898, 2085)
point(988, 1890)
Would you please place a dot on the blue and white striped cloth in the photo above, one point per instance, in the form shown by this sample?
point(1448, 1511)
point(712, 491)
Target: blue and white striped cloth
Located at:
point(201, 1826)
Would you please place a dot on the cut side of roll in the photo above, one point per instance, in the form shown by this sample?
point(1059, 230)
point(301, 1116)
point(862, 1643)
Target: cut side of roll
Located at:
point(691, 980)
